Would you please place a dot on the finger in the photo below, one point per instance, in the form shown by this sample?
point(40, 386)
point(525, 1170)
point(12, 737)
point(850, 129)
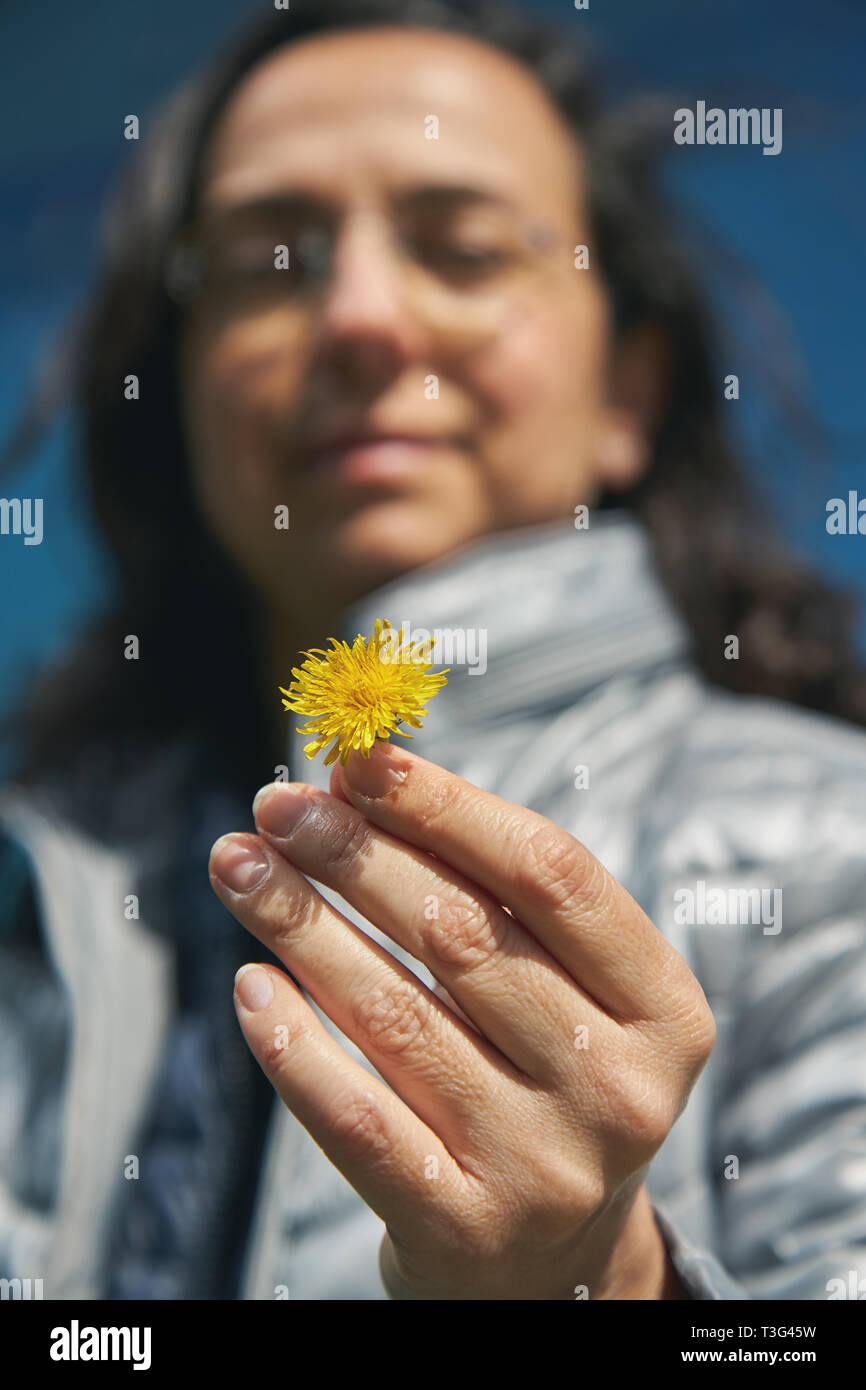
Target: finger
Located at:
point(510, 987)
point(550, 881)
point(454, 1080)
point(335, 787)
point(399, 1166)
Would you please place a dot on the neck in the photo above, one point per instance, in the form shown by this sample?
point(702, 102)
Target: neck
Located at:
point(559, 611)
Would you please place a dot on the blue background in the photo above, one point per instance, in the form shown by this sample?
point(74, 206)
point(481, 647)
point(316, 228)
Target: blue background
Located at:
point(70, 73)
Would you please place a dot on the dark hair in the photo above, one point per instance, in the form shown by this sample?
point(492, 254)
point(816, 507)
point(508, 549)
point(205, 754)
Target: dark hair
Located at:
point(179, 592)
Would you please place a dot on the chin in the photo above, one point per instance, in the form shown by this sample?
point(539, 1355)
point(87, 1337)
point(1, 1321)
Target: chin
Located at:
point(384, 543)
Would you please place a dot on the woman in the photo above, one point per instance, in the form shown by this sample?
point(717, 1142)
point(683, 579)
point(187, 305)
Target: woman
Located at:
point(393, 325)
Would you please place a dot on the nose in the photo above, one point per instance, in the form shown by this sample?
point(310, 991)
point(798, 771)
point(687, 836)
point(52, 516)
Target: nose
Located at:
point(365, 317)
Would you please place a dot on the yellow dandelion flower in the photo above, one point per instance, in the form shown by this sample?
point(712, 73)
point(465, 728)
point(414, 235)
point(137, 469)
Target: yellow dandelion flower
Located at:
point(357, 694)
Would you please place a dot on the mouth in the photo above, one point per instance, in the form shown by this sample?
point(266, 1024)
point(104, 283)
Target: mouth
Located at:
point(374, 458)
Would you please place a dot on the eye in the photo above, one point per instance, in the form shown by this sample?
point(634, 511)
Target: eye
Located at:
point(472, 257)
point(460, 258)
point(250, 260)
point(290, 261)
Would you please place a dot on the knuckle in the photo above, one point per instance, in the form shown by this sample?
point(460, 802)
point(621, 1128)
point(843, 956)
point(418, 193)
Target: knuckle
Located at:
point(559, 866)
point(692, 1024)
point(705, 1031)
point(348, 837)
point(701, 1032)
point(564, 1195)
point(441, 796)
point(639, 1109)
point(360, 1123)
point(394, 1017)
point(280, 1046)
point(466, 934)
point(294, 907)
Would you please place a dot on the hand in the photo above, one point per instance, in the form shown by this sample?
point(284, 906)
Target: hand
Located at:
point(525, 1097)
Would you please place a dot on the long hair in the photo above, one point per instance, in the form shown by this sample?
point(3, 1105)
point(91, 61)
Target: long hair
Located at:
point(713, 541)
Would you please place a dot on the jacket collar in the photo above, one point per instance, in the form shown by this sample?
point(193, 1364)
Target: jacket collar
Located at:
point(553, 610)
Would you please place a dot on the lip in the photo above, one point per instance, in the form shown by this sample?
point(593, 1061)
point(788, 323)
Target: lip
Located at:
point(375, 457)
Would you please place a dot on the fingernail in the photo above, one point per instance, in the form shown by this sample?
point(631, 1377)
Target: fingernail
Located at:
point(254, 987)
point(279, 813)
point(385, 769)
point(238, 864)
point(259, 794)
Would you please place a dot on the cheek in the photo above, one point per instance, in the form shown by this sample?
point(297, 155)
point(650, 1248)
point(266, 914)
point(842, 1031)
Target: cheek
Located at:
point(543, 390)
point(228, 415)
point(553, 353)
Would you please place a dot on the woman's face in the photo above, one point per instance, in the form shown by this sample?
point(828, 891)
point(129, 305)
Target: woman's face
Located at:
point(475, 358)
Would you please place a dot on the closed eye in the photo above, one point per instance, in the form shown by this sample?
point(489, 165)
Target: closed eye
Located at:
point(461, 259)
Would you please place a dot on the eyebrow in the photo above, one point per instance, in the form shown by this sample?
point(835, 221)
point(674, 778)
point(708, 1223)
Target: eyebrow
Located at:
point(426, 198)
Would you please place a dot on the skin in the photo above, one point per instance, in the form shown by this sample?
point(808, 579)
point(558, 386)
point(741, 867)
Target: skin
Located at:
point(478, 1071)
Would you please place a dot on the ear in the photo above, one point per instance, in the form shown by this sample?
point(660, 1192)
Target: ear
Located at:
point(639, 385)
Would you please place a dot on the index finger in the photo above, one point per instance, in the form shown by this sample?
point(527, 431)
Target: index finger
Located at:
point(542, 874)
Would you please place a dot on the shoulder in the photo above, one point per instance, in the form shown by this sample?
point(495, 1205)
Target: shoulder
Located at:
point(751, 781)
point(743, 746)
point(754, 725)
point(79, 828)
point(105, 793)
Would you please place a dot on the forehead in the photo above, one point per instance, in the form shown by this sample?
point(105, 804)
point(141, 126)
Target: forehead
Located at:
point(345, 112)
